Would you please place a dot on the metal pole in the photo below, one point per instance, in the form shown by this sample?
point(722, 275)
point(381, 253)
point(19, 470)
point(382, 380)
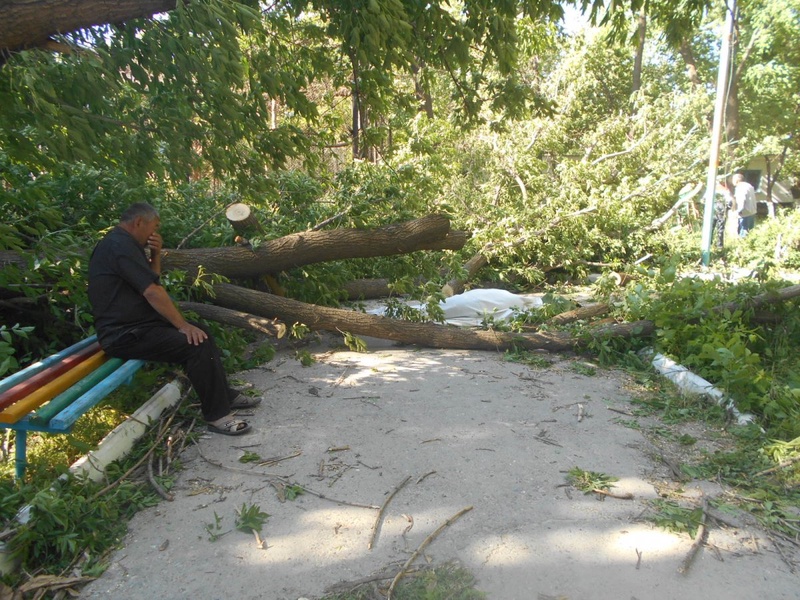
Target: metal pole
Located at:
point(716, 130)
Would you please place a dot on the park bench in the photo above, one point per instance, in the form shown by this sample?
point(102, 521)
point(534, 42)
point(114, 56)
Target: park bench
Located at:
point(51, 395)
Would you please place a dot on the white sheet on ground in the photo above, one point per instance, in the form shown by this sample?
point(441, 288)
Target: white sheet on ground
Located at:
point(474, 306)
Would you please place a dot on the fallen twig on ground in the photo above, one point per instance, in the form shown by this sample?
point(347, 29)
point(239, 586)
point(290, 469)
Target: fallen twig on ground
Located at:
point(152, 479)
point(783, 556)
point(278, 478)
point(377, 523)
point(547, 440)
point(625, 496)
point(699, 540)
point(421, 547)
point(276, 459)
point(778, 467)
point(260, 544)
point(421, 479)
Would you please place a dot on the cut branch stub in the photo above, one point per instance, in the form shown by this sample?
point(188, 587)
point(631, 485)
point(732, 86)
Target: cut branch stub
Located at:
point(242, 218)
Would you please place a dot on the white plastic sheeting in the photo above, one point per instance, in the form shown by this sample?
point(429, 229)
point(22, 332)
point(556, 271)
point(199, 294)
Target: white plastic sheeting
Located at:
point(475, 306)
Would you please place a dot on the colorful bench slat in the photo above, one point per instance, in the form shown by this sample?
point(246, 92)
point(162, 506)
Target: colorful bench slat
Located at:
point(71, 393)
point(65, 398)
point(46, 376)
point(67, 417)
point(37, 367)
point(48, 391)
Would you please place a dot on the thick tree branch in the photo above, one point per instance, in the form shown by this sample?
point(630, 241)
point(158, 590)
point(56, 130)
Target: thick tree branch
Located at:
point(31, 23)
point(421, 334)
point(299, 249)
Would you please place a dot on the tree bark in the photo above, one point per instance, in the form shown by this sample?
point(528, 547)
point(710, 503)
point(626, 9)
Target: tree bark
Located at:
point(30, 23)
point(472, 266)
point(781, 295)
point(299, 249)
point(271, 327)
point(687, 54)
point(583, 312)
point(641, 32)
point(422, 334)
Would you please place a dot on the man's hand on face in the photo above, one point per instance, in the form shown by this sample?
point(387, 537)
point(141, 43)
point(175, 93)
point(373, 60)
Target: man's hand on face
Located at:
point(155, 242)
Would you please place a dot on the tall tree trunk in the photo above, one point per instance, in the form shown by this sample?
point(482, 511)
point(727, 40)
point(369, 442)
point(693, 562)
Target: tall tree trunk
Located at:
point(732, 105)
point(732, 112)
point(641, 32)
point(356, 108)
point(423, 95)
point(686, 52)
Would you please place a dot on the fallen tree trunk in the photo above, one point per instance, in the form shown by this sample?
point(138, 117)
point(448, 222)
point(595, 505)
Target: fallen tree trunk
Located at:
point(421, 334)
point(787, 293)
point(583, 312)
point(271, 327)
point(309, 247)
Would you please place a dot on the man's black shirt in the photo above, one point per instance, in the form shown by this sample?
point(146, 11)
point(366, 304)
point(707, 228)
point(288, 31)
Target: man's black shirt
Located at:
point(118, 275)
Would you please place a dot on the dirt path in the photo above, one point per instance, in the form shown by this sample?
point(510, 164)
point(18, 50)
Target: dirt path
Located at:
point(462, 429)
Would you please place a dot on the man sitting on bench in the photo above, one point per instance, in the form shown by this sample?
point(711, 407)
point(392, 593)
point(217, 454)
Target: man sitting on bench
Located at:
point(135, 317)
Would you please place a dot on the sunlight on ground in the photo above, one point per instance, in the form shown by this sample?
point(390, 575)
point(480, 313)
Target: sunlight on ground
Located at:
point(591, 547)
point(388, 366)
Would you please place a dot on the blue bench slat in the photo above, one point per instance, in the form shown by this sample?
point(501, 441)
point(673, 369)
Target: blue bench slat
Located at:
point(64, 420)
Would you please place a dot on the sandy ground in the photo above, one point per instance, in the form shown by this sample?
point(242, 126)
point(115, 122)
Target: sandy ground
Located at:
point(461, 429)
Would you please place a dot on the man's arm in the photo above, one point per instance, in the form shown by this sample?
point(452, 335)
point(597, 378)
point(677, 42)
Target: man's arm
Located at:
point(159, 299)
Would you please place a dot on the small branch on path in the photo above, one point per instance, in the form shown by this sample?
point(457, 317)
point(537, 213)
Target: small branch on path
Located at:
point(625, 496)
point(284, 481)
point(276, 459)
point(422, 546)
point(377, 523)
point(699, 540)
point(152, 479)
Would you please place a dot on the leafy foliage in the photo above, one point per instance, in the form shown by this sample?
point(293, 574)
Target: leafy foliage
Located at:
point(250, 518)
point(588, 481)
point(528, 140)
point(674, 517)
point(65, 521)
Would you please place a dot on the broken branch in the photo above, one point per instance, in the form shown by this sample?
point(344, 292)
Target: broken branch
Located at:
point(377, 523)
point(421, 547)
point(699, 540)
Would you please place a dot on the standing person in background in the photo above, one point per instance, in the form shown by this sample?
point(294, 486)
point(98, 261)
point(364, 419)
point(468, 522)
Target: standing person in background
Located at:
point(721, 206)
point(135, 317)
point(744, 203)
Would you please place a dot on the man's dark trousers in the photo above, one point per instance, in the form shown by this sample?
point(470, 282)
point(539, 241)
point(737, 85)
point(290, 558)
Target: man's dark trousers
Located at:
point(202, 363)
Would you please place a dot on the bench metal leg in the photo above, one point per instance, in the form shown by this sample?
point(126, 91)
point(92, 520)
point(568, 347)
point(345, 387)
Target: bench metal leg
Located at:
point(20, 451)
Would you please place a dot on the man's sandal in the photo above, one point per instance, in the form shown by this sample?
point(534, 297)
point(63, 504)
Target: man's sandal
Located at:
point(241, 401)
point(229, 426)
